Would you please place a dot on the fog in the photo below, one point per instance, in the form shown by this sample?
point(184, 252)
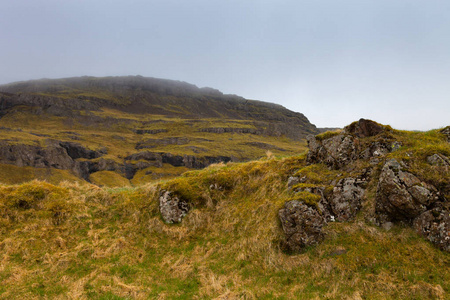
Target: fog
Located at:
point(334, 61)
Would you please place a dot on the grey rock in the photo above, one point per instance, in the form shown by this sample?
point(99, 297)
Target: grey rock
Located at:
point(172, 208)
point(395, 146)
point(302, 226)
point(107, 165)
point(400, 195)
point(434, 225)
point(438, 160)
point(292, 180)
point(336, 151)
point(446, 132)
point(387, 226)
point(346, 199)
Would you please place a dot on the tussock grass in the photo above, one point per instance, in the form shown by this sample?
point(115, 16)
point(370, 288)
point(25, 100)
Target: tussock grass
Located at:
point(81, 241)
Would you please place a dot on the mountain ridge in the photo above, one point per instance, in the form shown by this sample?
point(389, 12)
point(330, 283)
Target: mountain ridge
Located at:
point(166, 124)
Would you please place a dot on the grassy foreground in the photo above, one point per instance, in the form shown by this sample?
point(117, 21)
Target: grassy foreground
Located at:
point(79, 241)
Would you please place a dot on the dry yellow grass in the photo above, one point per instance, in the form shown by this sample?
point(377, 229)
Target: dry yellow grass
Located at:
point(111, 243)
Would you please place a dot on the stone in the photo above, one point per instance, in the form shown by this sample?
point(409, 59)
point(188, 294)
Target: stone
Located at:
point(387, 226)
point(434, 225)
point(364, 128)
point(395, 146)
point(346, 199)
point(336, 151)
point(292, 180)
point(302, 226)
point(172, 208)
point(438, 160)
point(400, 195)
point(446, 132)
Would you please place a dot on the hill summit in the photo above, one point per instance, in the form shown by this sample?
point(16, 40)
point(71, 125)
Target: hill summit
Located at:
point(117, 130)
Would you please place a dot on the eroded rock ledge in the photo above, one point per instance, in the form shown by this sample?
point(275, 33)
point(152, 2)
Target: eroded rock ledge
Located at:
point(83, 161)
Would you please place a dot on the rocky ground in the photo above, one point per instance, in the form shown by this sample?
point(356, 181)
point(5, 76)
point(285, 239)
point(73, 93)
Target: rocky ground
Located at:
point(400, 196)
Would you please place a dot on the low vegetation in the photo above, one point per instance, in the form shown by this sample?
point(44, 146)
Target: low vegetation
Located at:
point(80, 241)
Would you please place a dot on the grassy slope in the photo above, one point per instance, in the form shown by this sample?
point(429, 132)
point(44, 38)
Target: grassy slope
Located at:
point(81, 241)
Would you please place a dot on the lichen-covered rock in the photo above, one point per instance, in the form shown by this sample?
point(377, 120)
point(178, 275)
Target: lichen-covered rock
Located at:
point(438, 160)
point(172, 208)
point(336, 151)
point(346, 199)
point(375, 151)
point(302, 225)
point(434, 225)
point(401, 195)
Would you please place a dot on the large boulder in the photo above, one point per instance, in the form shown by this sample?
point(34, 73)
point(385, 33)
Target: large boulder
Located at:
point(172, 208)
point(346, 199)
point(401, 196)
point(302, 225)
point(434, 225)
point(364, 128)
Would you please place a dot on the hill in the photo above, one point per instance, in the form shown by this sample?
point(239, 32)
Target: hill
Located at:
point(129, 130)
point(362, 215)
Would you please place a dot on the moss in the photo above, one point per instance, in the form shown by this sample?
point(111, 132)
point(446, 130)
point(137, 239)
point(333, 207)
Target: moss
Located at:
point(10, 174)
point(109, 179)
point(320, 174)
point(309, 199)
point(305, 185)
point(327, 134)
point(28, 195)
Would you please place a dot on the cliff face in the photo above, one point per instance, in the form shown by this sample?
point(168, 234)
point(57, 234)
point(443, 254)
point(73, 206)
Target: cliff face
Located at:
point(132, 119)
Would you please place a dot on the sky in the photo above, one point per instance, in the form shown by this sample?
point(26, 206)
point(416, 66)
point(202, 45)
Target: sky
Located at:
point(333, 61)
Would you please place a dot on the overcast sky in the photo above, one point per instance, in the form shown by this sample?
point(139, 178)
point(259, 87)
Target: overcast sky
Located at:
point(334, 61)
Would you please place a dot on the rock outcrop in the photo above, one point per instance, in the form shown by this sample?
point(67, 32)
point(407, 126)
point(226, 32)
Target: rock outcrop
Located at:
point(336, 151)
point(346, 199)
point(58, 155)
point(438, 160)
point(446, 131)
point(364, 128)
point(302, 226)
point(434, 225)
point(342, 148)
point(401, 196)
point(172, 208)
point(157, 159)
point(231, 130)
